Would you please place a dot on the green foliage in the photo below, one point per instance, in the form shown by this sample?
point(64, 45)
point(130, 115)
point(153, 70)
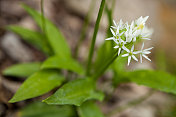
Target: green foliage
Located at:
point(57, 62)
point(89, 109)
point(22, 70)
point(35, 38)
point(39, 109)
point(55, 37)
point(75, 93)
point(159, 80)
point(39, 83)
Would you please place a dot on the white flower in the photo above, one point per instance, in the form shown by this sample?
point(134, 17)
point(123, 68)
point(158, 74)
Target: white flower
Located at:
point(120, 45)
point(146, 33)
point(129, 34)
point(144, 52)
point(115, 35)
point(130, 54)
point(140, 22)
point(119, 25)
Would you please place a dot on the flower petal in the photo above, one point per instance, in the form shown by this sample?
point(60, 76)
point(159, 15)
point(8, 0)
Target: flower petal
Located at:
point(132, 48)
point(141, 58)
point(129, 59)
point(111, 38)
point(116, 46)
point(119, 51)
point(136, 52)
point(114, 23)
point(146, 38)
point(112, 32)
point(148, 49)
point(134, 58)
point(146, 57)
point(126, 49)
point(124, 55)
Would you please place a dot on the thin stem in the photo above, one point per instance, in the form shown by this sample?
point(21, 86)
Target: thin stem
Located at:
point(85, 26)
point(43, 15)
point(103, 69)
point(131, 103)
point(91, 51)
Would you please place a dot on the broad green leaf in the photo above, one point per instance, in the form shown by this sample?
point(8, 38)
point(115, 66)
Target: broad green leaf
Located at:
point(75, 93)
point(155, 79)
point(89, 109)
point(33, 37)
point(57, 62)
point(39, 83)
point(22, 70)
point(39, 109)
point(55, 37)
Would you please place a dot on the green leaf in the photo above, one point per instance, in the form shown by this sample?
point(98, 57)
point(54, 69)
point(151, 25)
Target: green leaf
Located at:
point(57, 62)
point(38, 84)
point(22, 70)
point(39, 109)
point(32, 37)
point(75, 93)
point(89, 109)
point(55, 37)
point(154, 79)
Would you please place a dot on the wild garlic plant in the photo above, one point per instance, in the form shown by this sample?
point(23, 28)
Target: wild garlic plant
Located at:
point(125, 35)
point(79, 93)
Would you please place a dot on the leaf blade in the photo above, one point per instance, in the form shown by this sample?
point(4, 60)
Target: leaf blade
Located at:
point(32, 37)
point(39, 109)
point(22, 70)
point(154, 79)
point(57, 62)
point(89, 109)
point(38, 84)
point(55, 37)
point(75, 93)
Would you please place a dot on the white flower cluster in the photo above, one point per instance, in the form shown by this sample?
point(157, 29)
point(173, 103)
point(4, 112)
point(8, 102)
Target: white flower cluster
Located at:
point(125, 36)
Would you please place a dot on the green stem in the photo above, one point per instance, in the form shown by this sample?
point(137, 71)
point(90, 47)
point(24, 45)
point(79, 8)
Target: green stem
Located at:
point(103, 69)
point(91, 51)
point(131, 104)
point(85, 26)
point(43, 15)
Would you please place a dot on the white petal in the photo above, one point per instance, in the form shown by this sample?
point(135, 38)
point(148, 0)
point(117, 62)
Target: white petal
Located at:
point(132, 48)
point(134, 58)
point(145, 19)
point(112, 32)
point(141, 58)
point(146, 52)
point(136, 52)
point(114, 27)
point(116, 46)
point(126, 49)
point(125, 55)
point(146, 38)
point(117, 32)
point(148, 49)
point(114, 23)
point(119, 51)
point(129, 59)
point(146, 57)
point(121, 34)
point(134, 40)
point(111, 38)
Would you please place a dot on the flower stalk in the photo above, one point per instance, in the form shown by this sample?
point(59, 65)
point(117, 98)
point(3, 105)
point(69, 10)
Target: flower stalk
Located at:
point(91, 51)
